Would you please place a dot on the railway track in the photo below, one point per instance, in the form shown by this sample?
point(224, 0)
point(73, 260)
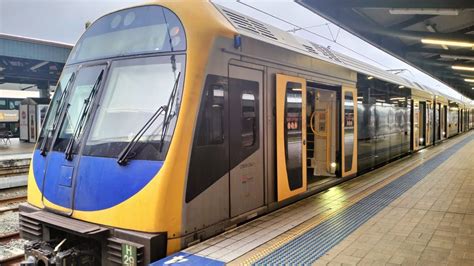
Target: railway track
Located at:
point(13, 260)
point(16, 258)
point(10, 236)
point(15, 199)
point(12, 253)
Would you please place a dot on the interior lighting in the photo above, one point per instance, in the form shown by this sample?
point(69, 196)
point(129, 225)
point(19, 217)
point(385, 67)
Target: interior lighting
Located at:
point(424, 11)
point(447, 42)
point(333, 167)
point(469, 80)
point(370, 77)
point(422, 139)
point(447, 56)
point(468, 68)
point(401, 87)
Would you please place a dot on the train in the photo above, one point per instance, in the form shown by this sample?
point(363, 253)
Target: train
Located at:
point(9, 116)
point(173, 122)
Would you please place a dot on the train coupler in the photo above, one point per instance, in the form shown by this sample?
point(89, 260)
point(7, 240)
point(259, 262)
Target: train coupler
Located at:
point(52, 253)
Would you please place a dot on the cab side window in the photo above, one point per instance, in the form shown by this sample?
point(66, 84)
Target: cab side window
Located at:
point(211, 128)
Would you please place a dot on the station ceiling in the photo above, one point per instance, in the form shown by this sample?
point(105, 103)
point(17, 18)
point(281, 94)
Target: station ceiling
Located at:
point(435, 36)
point(30, 61)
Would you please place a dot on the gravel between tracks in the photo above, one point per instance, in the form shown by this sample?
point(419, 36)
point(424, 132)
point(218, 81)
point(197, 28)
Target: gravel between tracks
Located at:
point(8, 223)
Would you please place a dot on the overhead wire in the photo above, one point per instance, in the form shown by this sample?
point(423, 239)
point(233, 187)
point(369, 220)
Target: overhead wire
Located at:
point(312, 32)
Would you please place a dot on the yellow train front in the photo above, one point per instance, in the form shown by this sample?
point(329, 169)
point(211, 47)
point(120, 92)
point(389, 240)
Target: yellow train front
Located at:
point(108, 172)
point(175, 121)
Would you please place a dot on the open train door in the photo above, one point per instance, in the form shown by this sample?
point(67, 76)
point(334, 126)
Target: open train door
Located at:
point(290, 136)
point(349, 131)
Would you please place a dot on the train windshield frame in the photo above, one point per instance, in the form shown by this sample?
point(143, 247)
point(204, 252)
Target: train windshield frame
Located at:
point(137, 30)
point(134, 89)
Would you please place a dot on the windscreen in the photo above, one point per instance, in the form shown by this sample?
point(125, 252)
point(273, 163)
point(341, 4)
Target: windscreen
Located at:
point(144, 29)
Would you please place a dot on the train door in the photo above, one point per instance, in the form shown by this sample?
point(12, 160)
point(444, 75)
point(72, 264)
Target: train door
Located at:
point(422, 124)
point(349, 131)
point(245, 139)
point(443, 121)
point(437, 122)
point(290, 136)
point(429, 124)
point(320, 134)
point(416, 125)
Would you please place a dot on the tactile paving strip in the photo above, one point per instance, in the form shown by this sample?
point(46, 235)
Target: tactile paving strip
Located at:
point(312, 245)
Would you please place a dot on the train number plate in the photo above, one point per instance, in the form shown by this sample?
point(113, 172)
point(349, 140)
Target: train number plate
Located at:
point(129, 255)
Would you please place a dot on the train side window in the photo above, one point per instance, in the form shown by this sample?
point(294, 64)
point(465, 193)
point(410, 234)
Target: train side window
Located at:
point(211, 131)
point(249, 119)
point(3, 104)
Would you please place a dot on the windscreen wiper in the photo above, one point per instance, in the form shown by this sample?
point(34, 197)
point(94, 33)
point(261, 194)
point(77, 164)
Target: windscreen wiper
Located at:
point(84, 113)
point(168, 115)
point(57, 114)
point(123, 157)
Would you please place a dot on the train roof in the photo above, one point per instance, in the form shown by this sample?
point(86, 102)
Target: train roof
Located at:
point(256, 29)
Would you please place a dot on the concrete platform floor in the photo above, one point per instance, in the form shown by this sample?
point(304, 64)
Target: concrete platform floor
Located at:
point(15, 146)
point(429, 219)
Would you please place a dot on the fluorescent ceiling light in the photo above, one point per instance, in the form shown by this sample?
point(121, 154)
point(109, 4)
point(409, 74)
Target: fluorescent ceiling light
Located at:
point(463, 68)
point(469, 80)
point(431, 28)
point(38, 65)
point(424, 11)
point(370, 77)
point(401, 87)
point(446, 42)
point(447, 56)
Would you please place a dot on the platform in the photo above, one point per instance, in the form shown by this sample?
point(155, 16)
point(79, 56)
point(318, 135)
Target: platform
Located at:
point(15, 158)
point(15, 146)
point(418, 210)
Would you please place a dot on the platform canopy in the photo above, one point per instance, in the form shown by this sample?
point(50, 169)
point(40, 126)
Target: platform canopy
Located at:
point(435, 36)
point(30, 64)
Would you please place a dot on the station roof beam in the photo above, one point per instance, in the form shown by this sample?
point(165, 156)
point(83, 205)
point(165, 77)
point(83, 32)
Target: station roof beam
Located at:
point(34, 63)
point(431, 35)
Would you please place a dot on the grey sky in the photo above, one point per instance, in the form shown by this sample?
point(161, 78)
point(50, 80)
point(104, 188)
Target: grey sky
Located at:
point(63, 21)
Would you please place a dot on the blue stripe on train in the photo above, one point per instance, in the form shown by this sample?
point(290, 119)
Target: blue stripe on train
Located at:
point(101, 182)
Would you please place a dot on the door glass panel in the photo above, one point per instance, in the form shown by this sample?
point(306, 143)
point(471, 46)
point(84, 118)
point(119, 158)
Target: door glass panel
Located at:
point(348, 130)
point(293, 134)
point(248, 119)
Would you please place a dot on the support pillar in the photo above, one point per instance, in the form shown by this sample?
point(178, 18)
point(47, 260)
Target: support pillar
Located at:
point(43, 90)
